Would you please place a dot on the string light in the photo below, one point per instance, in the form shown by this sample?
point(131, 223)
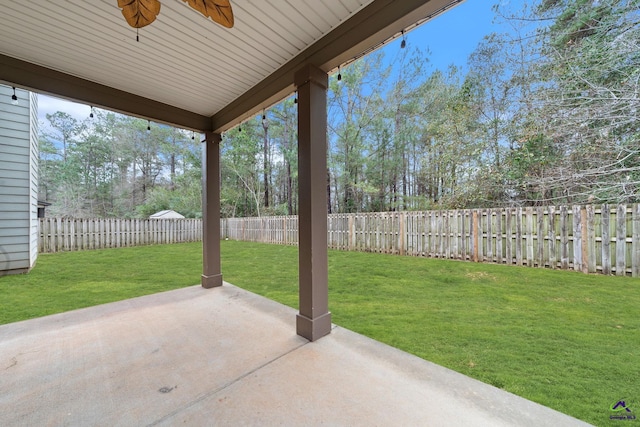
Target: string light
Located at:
point(264, 117)
point(403, 44)
point(14, 97)
point(148, 126)
point(91, 113)
point(339, 73)
point(193, 135)
point(421, 21)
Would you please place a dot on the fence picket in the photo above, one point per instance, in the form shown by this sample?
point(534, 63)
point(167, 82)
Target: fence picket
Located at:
point(564, 238)
point(590, 236)
point(540, 259)
point(518, 240)
point(606, 240)
point(577, 239)
point(635, 242)
point(621, 238)
point(508, 247)
point(551, 235)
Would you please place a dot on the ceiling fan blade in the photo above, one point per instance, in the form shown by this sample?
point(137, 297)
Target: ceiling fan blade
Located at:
point(218, 10)
point(139, 13)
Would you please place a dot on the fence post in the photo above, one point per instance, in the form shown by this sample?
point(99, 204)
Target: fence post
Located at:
point(635, 241)
point(552, 237)
point(498, 248)
point(351, 233)
point(564, 238)
point(590, 237)
point(577, 239)
point(621, 240)
point(529, 236)
point(488, 255)
point(463, 234)
point(518, 241)
point(508, 242)
point(441, 233)
point(475, 236)
point(585, 245)
point(402, 229)
point(540, 235)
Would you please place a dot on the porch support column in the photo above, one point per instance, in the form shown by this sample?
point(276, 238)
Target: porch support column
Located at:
point(211, 272)
point(314, 320)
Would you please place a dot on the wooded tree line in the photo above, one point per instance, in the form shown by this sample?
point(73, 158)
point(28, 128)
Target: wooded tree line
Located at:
point(110, 165)
point(544, 114)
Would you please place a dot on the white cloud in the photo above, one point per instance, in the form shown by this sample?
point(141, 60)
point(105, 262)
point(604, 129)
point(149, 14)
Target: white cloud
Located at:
point(50, 105)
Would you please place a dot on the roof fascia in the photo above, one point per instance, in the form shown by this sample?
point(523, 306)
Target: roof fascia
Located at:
point(45, 80)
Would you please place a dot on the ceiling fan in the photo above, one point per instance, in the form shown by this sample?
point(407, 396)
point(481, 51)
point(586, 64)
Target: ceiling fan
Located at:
point(140, 13)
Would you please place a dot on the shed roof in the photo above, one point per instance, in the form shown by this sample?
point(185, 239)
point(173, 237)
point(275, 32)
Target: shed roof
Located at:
point(167, 214)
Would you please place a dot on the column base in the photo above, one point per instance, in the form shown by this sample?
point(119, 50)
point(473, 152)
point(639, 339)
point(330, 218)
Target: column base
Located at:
point(313, 329)
point(214, 281)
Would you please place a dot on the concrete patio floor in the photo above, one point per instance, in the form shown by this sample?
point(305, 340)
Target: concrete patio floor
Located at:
point(228, 357)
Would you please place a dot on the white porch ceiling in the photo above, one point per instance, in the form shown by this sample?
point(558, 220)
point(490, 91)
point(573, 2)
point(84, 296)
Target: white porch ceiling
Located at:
point(186, 61)
point(182, 59)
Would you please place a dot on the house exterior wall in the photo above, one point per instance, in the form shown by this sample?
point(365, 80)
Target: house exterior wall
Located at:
point(18, 181)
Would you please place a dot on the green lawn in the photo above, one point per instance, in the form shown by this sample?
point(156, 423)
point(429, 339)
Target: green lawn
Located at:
point(69, 280)
point(567, 340)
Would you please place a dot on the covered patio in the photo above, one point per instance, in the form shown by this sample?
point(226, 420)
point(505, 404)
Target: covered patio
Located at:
point(229, 357)
point(221, 356)
point(187, 71)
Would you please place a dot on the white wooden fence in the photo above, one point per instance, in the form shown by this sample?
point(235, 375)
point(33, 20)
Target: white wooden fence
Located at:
point(592, 239)
point(61, 234)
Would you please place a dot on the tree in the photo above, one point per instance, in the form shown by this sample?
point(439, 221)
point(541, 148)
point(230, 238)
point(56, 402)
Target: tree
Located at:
point(285, 134)
point(48, 166)
point(241, 191)
point(591, 96)
point(111, 165)
point(546, 113)
point(66, 129)
point(354, 103)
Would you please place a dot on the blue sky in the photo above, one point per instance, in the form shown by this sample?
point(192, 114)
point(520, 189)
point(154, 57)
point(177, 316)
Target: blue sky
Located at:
point(454, 35)
point(450, 37)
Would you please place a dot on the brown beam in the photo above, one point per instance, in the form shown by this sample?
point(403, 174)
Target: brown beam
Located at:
point(314, 320)
point(211, 267)
point(377, 22)
point(45, 80)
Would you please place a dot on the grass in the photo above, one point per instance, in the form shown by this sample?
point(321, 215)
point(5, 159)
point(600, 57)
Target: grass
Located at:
point(566, 340)
point(70, 280)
